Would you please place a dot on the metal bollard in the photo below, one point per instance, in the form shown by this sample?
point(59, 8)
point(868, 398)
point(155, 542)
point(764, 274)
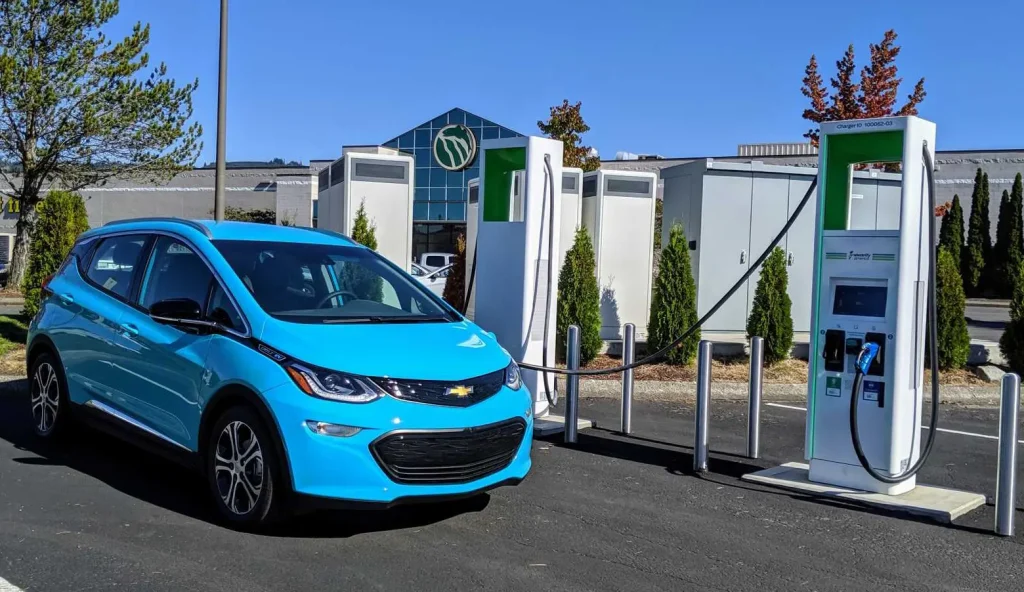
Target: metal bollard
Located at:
point(628, 354)
point(572, 386)
point(754, 402)
point(700, 432)
point(1006, 476)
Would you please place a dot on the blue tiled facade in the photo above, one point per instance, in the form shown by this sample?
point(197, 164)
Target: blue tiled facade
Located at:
point(439, 208)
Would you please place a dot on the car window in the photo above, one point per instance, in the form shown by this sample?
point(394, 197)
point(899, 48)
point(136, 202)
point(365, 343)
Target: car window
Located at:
point(114, 263)
point(222, 310)
point(309, 283)
point(435, 260)
point(175, 271)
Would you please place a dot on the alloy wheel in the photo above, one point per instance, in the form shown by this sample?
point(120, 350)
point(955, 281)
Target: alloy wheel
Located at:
point(45, 398)
point(239, 467)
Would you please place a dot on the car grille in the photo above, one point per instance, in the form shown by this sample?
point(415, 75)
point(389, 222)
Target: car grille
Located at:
point(449, 456)
point(437, 392)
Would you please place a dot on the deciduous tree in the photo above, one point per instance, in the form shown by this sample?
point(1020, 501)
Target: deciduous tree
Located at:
point(566, 124)
point(873, 96)
point(77, 108)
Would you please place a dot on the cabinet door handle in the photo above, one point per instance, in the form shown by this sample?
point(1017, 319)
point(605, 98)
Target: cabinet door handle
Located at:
point(743, 256)
point(789, 260)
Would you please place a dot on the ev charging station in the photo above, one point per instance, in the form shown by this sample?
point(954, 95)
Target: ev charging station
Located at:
point(572, 211)
point(384, 184)
point(570, 220)
point(871, 291)
point(516, 242)
point(618, 213)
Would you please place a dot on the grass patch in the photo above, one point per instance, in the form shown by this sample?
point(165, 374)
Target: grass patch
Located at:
point(13, 333)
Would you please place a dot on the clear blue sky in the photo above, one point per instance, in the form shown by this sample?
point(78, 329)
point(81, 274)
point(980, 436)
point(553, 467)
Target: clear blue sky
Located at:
point(673, 77)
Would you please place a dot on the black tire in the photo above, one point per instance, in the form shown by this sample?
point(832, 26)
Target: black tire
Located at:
point(51, 411)
point(236, 475)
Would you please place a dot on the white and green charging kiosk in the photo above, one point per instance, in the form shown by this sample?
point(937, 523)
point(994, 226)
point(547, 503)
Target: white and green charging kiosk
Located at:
point(872, 290)
point(869, 286)
point(516, 244)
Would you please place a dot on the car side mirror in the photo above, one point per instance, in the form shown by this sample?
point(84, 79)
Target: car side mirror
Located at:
point(182, 312)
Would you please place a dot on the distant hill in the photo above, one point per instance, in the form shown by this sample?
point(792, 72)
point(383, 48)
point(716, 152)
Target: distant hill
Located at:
point(254, 164)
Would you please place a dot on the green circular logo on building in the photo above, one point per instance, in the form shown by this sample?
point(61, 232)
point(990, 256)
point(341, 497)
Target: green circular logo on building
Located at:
point(454, 147)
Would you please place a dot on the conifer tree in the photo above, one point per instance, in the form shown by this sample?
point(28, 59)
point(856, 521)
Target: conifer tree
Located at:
point(951, 232)
point(62, 217)
point(579, 300)
point(978, 238)
point(954, 341)
point(674, 303)
point(771, 316)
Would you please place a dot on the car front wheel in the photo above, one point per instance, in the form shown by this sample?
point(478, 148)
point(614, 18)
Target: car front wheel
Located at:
point(242, 468)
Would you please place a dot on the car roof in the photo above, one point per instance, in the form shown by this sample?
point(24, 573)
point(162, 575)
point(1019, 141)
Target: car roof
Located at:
point(228, 230)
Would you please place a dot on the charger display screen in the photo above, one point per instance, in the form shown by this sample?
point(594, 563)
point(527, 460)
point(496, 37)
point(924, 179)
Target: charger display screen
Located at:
point(860, 301)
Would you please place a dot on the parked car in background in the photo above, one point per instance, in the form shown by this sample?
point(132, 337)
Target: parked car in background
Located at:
point(434, 280)
point(434, 261)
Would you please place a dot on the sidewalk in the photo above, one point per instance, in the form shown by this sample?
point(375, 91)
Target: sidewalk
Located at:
point(685, 392)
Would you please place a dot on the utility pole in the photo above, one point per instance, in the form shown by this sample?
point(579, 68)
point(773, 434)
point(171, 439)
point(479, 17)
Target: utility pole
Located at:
point(222, 92)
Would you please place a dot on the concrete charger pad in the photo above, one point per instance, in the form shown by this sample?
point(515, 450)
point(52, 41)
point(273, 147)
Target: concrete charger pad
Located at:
point(936, 503)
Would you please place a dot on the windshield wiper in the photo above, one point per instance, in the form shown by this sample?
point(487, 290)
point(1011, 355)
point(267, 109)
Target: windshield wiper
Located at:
point(378, 319)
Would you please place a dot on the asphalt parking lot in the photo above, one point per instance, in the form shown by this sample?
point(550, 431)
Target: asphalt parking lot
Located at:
point(615, 513)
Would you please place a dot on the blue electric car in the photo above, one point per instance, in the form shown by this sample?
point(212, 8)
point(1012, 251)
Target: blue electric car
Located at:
point(287, 364)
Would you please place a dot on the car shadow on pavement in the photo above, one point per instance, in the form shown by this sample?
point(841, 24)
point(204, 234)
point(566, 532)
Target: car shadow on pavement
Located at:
point(159, 482)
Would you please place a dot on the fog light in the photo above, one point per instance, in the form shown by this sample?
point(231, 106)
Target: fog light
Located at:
point(332, 429)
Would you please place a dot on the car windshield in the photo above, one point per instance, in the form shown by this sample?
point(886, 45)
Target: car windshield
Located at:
point(307, 283)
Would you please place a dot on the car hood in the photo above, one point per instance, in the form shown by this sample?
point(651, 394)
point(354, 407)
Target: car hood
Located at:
point(428, 351)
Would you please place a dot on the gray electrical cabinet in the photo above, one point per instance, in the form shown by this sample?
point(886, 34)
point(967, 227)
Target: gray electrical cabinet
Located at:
point(731, 211)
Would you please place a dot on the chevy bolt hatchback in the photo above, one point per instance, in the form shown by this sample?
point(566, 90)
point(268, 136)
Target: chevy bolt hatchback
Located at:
point(287, 364)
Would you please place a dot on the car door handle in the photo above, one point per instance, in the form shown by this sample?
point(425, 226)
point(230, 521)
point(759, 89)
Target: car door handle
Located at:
point(130, 328)
point(66, 298)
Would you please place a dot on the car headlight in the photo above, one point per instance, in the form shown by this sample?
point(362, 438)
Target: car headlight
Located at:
point(332, 385)
point(513, 379)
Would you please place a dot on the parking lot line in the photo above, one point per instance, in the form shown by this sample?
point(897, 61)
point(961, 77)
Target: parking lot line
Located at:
point(945, 430)
point(6, 586)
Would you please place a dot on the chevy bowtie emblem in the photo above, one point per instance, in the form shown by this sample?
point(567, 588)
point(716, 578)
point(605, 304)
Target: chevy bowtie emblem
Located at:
point(460, 391)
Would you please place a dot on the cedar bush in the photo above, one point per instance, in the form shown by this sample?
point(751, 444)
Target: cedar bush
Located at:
point(978, 239)
point(771, 316)
point(62, 217)
point(674, 302)
point(455, 283)
point(364, 283)
point(1011, 344)
point(951, 232)
point(954, 342)
point(579, 300)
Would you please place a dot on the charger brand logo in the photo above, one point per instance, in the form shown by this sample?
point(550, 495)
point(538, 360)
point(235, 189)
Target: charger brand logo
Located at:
point(454, 147)
point(460, 391)
point(858, 256)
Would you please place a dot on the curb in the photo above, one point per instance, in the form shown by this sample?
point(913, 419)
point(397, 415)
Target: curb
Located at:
point(657, 390)
point(982, 303)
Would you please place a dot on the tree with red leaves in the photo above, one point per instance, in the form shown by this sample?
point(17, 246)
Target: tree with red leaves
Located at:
point(566, 124)
point(874, 96)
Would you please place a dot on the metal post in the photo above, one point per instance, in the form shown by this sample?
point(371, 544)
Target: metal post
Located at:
point(572, 386)
point(700, 432)
point(628, 353)
point(754, 401)
point(1006, 477)
point(222, 98)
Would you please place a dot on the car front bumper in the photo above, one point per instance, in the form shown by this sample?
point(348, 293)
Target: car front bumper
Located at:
point(331, 470)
